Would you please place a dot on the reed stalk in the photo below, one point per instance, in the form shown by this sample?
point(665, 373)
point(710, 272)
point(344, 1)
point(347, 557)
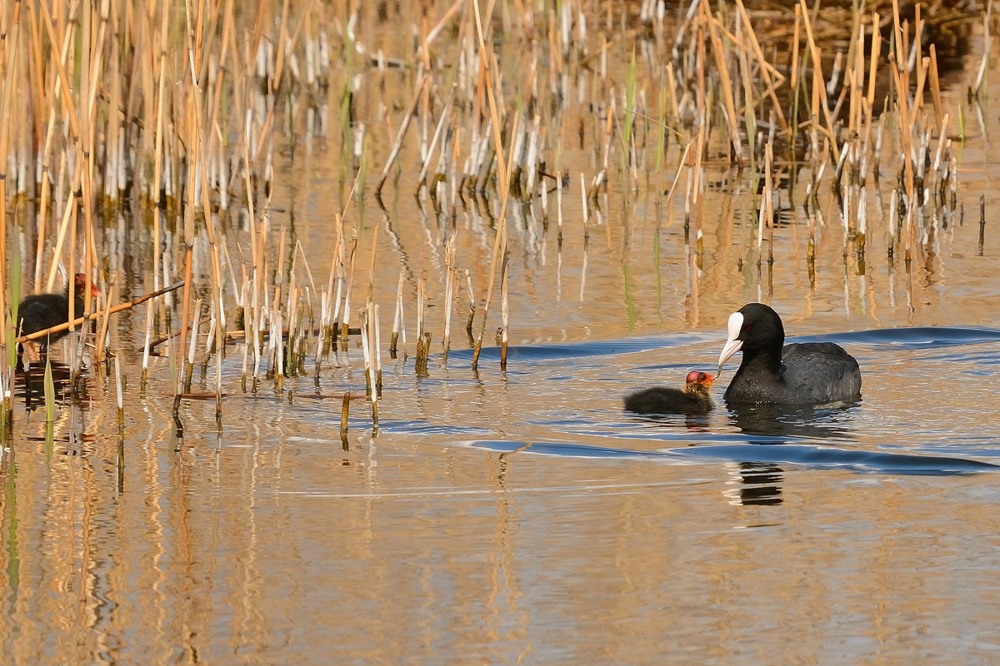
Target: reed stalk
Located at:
point(119, 398)
point(378, 358)
point(503, 178)
point(472, 305)
point(345, 321)
point(345, 410)
point(423, 339)
point(398, 325)
point(451, 276)
point(982, 223)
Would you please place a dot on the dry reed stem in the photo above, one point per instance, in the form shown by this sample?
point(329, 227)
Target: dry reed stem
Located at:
point(401, 132)
point(345, 409)
point(378, 357)
point(451, 276)
point(766, 69)
point(146, 347)
point(423, 348)
point(504, 311)
point(819, 101)
point(398, 325)
point(726, 84)
point(366, 344)
point(102, 334)
point(472, 305)
point(503, 178)
point(346, 321)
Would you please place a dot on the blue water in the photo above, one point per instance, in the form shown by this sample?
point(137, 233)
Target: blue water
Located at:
point(928, 394)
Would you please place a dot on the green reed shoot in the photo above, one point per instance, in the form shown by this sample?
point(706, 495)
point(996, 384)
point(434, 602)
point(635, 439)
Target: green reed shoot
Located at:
point(50, 392)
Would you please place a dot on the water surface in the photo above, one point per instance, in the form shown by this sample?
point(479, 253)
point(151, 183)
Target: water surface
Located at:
point(519, 515)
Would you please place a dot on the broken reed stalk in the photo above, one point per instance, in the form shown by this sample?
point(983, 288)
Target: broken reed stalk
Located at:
point(366, 317)
point(345, 410)
point(220, 346)
point(185, 320)
point(192, 346)
point(120, 466)
point(249, 330)
point(398, 325)
point(378, 358)
point(504, 311)
point(451, 275)
point(892, 226)
point(346, 321)
point(472, 305)
point(102, 334)
point(276, 340)
point(330, 301)
point(119, 397)
point(423, 339)
point(369, 344)
point(145, 349)
point(982, 223)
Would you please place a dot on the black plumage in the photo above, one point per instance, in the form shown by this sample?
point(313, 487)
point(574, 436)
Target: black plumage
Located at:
point(812, 373)
point(41, 311)
point(695, 398)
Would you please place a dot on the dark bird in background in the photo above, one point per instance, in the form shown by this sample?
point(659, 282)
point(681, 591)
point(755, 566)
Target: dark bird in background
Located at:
point(41, 311)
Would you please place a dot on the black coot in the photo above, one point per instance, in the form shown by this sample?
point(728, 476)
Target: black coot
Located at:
point(41, 311)
point(811, 373)
point(696, 397)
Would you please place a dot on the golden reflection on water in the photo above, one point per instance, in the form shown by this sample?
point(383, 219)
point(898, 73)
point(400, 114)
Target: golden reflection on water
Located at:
point(273, 541)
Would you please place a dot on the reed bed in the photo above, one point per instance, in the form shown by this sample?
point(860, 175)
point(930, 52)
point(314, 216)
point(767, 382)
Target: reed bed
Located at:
point(169, 116)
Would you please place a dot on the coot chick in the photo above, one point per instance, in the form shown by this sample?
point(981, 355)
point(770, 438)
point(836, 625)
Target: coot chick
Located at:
point(696, 398)
point(41, 311)
point(811, 373)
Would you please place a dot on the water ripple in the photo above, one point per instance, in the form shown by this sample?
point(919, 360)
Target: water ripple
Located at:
point(790, 454)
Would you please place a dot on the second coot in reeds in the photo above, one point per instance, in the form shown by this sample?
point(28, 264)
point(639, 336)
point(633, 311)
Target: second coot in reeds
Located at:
point(41, 311)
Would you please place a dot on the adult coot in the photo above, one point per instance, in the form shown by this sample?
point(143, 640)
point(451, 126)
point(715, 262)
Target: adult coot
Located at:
point(694, 399)
point(812, 373)
point(41, 311)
